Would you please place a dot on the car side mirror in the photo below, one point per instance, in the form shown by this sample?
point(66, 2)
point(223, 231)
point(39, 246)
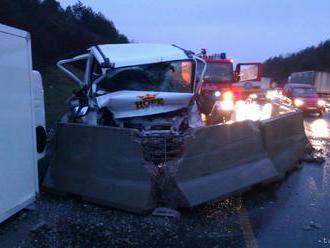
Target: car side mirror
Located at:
point(248, 72)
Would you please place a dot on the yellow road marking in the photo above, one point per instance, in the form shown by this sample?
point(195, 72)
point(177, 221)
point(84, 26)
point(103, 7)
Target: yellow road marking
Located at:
point(250, 240)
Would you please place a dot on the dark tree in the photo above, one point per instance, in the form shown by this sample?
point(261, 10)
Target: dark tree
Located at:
point(57, 32)
point(311, 58)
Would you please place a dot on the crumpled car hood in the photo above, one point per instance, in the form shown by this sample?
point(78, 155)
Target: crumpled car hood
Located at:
point(127, 103)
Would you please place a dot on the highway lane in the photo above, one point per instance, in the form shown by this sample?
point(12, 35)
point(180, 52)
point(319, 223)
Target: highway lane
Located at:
point(295, 212)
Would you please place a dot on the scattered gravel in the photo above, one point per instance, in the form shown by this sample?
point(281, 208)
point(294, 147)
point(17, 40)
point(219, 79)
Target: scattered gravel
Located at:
point(70, 222)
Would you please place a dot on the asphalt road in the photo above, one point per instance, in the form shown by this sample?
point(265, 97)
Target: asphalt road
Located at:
point(293, 213)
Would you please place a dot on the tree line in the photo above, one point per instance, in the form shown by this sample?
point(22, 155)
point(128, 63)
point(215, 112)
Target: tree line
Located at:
point(57, 32)
point(314, 58)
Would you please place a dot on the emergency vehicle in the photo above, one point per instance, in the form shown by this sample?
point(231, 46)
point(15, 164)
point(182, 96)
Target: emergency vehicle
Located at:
point(224, 85)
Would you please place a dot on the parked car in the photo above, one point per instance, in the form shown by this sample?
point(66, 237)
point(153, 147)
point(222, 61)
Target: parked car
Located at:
point(304, 97)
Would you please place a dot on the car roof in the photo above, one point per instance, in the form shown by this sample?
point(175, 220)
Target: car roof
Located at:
point(301, 86)
point(121, 55)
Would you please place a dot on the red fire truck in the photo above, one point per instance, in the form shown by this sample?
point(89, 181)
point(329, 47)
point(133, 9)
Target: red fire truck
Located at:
point(223, 85)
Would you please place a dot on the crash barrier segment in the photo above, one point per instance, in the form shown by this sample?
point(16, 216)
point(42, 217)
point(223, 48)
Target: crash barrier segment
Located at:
point(220, 160)
point(102, 164)
point(285, 140)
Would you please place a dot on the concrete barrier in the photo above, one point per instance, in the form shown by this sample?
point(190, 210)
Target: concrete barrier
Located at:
point(116, 167)
point(220, 160)
point(285, 140)
point(103, 164)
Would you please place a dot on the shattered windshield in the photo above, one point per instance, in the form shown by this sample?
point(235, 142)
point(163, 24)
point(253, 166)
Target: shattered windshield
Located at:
point(176, 76)
point(219, 72)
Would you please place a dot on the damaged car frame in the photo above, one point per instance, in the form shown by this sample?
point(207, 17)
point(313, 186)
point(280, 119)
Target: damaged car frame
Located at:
point(123, 85)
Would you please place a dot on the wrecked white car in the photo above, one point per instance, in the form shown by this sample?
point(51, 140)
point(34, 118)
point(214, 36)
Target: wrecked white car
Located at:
point(142, 86)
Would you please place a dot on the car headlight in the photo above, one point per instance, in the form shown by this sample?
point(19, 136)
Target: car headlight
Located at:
point(298, 102)
point(321, 103)
point(228, 96)
point(217, 93)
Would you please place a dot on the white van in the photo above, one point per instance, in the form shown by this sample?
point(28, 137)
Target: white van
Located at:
point(21, 116)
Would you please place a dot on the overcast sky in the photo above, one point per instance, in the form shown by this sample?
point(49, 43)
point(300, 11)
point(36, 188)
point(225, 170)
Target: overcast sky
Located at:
point(247, 30)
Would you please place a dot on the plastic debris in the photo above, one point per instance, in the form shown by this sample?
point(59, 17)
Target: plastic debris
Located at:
point(166, 212)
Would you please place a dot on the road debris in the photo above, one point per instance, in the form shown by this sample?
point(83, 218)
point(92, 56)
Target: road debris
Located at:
point(312, 225)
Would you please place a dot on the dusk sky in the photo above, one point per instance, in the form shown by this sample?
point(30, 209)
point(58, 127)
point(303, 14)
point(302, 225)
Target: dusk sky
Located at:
point(247, 30)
